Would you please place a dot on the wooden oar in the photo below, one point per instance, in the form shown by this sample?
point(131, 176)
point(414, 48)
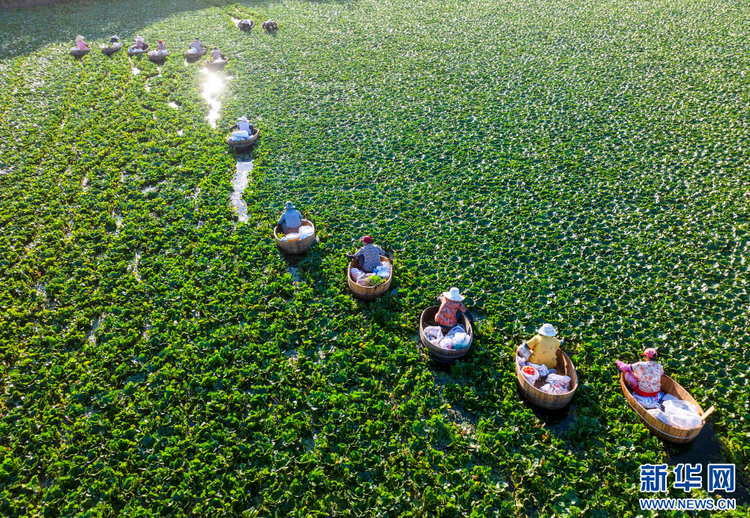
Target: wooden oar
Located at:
point(708, 413)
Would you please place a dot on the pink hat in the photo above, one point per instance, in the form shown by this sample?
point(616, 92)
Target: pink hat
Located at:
point(159, 41)
point(367, 239)
point(650, 353)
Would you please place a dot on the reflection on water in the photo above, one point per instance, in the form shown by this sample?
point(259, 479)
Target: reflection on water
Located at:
point(174, 105)
point(213, 85)
point(136, 71)
point(239, 182)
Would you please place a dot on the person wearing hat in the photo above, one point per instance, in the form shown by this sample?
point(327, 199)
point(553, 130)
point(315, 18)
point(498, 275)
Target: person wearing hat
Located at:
point(244, 125)
point(544, 347)
point(450, 307)
point(80, 44)
point(216, 53)
point(645, 379)
point(161, 48)
point(115, 41)
point(291, 219)
point(139, 43)
point(368, 257)
point(196, 46)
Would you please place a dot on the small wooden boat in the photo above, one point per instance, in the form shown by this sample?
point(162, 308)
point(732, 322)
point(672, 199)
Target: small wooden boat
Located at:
point(133, 52)
point(241, 145)
point(157, 58)
point(192, 57)
point(667, 432)
point(368, 292)
point(269, 26)
point(245, 27)
point(541, 399)
point(79, 53)
point(108, 51)
point(443, 355)
point(217, 64)
point(294, 247)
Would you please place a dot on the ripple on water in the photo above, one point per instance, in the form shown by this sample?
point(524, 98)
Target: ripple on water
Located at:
point(239, 182)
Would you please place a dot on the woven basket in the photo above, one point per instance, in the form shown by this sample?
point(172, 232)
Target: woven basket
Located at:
point(239, 144)
point(146, 48)
point(158, 58)
point(295, 247)
point(79, 52)
point(108, 51)
point(537, 397)
point(667, 432)
point(368, 292)
point(192, 57)
point(443, 355)
point(217, 65)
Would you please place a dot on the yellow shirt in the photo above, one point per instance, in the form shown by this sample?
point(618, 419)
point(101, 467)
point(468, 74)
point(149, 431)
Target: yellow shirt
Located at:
point(544, 350)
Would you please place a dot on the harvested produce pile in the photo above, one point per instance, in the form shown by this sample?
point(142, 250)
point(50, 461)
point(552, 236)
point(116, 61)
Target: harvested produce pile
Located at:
point(577, 163)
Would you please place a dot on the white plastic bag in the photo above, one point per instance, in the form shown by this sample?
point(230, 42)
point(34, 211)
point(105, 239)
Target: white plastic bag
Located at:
point(541, 369)
point(678, 404)
point(661, 416)
point(446, 343)
point(461, 340)
point(305, 231)
point(685, 419)
point(531, 378)
point(434, 334)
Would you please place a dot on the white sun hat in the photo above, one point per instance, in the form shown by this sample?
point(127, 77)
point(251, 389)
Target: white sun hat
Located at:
point(79, 38)
point(243, 118)
point(547, 330)
point(453, 295)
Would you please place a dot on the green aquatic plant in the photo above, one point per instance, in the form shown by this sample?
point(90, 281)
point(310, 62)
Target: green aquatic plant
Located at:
point(573, 163)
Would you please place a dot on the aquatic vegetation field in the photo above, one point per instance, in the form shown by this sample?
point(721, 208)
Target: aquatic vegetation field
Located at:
point(579, 163)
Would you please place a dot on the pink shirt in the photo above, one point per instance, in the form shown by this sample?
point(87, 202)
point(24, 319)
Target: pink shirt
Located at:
point(82, 45)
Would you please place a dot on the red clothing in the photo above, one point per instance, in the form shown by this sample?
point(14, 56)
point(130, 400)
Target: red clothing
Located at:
point(447, 314)
point(82, 45)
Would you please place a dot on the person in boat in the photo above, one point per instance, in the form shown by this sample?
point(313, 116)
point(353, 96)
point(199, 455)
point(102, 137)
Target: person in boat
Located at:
point(542, 349)
point(139, 44)
point(114, 41)
point(291, 219)
point(450, 307)
point(161, 48)
point(645, 379)
point(246, 24)
point(196, 46)
point(216, 53)
point(368, 257)
point(80, 44)
point(244, 129)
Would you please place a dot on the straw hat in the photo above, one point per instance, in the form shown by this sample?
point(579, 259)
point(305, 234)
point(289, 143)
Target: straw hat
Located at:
point(547, 330)
point(79, 38)
point(243, 118)
point(453, 295)
point(650, 353)
point(367, 240)
point(289, 205)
